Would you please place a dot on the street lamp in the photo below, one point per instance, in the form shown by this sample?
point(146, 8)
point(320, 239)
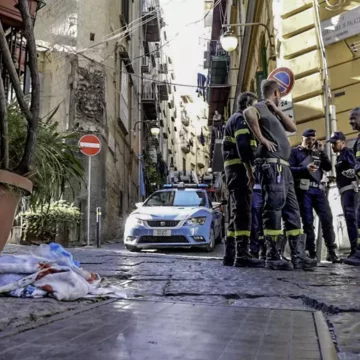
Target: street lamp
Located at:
point(229, 40)
point(154, 129)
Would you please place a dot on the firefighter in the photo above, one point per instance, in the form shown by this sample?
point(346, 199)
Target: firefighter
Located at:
point(348, 188)
point(257, 244)
point(269, 125)
point(308, 162)
point(354, 120)
point(238, 157)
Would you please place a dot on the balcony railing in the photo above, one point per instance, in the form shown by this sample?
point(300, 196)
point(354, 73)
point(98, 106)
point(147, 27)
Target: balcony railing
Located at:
point(149, 93)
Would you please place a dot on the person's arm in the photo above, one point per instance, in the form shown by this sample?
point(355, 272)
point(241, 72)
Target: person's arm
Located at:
point(244, 148)
point(297, 170)
point(349, 157)
point(325, 161)
point(286, 121)
point(252, 118)
point(357, 158)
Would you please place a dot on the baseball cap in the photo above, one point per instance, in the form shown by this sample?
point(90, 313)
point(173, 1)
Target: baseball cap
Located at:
point(309, 133)
point(335, 136)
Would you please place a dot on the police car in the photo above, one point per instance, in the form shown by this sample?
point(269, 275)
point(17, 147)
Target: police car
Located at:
point(179, 215)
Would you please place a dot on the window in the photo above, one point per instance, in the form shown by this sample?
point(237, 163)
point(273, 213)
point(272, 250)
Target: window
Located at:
point(181, 198)
point(124, 96)
point(184, 165)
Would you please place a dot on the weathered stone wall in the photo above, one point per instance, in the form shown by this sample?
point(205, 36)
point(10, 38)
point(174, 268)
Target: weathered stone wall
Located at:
point(84, 77)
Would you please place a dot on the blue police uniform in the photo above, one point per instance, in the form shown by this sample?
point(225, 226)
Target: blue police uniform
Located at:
point(352, 203)
point(348, 188)
point(238, 147)
point(311, 195)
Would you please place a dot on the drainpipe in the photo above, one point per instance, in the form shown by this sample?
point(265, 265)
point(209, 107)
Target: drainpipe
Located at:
point(330, 111)
point(245, 49)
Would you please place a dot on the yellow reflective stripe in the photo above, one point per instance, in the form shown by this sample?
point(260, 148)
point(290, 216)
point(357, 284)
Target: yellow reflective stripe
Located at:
point(238, 233)
point(359, 231)
point(230, 139)
point(242, 233)
point(272, 232)
point(253, 143)
point(232, 162)
point(357, 154)
point(241, 132)
point(294, 232)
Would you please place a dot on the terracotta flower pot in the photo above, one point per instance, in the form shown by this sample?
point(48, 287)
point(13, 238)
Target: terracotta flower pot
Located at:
point(12, 188)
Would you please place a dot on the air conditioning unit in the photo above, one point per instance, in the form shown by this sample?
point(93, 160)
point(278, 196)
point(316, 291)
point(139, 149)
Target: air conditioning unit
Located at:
point(145, 65)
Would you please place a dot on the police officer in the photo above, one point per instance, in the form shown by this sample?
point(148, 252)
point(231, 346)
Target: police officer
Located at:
point(348, 188)
point(238, 157)
point(308, 163)
point(354, 120)
point(269, 124)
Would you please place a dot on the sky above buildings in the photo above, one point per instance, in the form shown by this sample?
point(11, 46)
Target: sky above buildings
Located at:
point(185, 32)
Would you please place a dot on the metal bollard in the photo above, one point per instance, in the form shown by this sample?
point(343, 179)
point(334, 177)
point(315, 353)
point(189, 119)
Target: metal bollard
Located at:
point(98, 227)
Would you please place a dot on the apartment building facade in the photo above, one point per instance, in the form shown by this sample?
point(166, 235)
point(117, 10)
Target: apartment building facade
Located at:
point(102, 63)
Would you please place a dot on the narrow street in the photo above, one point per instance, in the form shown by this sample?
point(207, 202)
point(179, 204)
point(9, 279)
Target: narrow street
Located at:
point(183, 296)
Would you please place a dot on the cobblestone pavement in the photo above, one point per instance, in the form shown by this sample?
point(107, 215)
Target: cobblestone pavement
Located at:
point(161, 330)
point(191, 278)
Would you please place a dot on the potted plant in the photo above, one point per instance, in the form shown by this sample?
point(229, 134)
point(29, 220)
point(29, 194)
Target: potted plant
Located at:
point(14, 178)
point(42, 224)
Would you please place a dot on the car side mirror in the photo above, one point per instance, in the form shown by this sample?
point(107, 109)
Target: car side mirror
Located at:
point(139, 205)
point(224, 202)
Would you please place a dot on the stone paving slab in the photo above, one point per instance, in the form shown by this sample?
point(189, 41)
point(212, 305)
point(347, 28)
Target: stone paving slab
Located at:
point(140, 330)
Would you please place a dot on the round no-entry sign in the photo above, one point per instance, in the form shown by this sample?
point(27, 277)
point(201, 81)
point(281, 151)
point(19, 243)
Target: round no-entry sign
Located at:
point(285, 78)
point(90, 145)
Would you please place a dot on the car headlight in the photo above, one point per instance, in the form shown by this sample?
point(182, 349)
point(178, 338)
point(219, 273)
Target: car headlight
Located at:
point(133, 221)
point(196, 221)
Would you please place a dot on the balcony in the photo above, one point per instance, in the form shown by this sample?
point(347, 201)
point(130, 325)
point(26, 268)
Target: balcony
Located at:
point(149, 99)
point(151, 21)
point(163, 92)
point(185, 119)
point(218, 75)
point(163, 69)
point(10, 15)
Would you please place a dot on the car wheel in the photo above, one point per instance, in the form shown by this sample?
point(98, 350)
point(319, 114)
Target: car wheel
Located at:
point(211, 246)
point(132, 248)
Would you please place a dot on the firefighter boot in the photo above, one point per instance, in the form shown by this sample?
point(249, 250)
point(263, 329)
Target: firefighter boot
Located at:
point(262, 249)
point(353, 258)
point(298, 255)
point(229, 255)
point(242, 257)
point(274, 254)
point(332, 257)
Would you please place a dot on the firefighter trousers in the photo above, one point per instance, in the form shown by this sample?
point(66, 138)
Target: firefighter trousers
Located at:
point(279, 199)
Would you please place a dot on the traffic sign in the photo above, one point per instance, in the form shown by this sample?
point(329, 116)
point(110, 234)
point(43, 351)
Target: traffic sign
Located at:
point(90, 145)
point(285, 78)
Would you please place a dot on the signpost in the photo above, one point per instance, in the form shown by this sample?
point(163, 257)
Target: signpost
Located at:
point(285, 78)
point(90, 145)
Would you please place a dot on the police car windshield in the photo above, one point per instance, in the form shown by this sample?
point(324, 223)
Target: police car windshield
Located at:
point(180, 198)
